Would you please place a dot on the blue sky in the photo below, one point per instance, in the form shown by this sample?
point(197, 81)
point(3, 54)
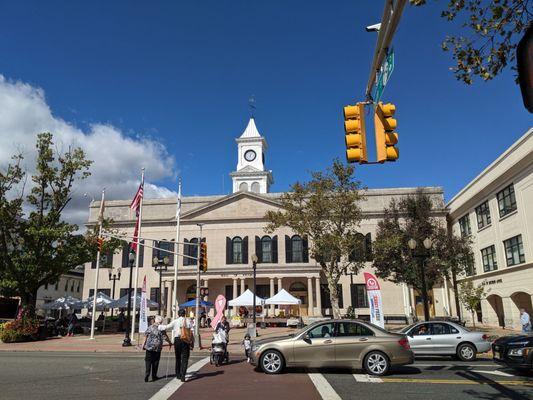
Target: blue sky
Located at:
point(181, 73)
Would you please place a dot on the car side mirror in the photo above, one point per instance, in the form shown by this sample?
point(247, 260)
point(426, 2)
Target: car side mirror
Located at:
point(306, 337)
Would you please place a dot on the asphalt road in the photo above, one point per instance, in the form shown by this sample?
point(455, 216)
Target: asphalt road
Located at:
point(68, 375)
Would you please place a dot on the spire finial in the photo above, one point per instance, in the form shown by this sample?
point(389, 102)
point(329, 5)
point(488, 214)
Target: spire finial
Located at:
point(251, 105)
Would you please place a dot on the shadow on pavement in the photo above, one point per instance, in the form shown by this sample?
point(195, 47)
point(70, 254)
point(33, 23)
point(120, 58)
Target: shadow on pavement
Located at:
point(504, 392)
point(200, 375)
point(404, 371)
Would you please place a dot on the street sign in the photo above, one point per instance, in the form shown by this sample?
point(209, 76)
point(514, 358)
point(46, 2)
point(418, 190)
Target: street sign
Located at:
point(384, 75)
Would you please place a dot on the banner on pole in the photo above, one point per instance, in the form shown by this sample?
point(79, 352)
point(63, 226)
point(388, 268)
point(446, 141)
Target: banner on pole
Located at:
point(143, 320)
point(220, 305)
point(374, 300)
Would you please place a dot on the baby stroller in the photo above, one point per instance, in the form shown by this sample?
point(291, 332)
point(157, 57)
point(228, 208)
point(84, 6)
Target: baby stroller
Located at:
point(219, 348)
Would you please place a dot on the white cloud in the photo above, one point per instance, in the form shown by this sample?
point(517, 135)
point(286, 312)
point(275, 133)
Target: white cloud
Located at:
point(117, 158)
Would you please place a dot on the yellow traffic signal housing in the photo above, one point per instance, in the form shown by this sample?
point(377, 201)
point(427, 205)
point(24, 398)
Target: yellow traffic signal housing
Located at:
point(203, 257)
point(354, 128)
point(386, 138)
point(100, 242)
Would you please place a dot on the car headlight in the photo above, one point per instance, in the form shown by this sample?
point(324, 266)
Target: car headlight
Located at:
point(524, 351)
point(254, 348)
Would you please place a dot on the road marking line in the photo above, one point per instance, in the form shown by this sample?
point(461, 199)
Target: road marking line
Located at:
point(367, 378)
point(499, 373)
point(458, 382)
point(454, 365)
point(168, 390)
point(325, 390)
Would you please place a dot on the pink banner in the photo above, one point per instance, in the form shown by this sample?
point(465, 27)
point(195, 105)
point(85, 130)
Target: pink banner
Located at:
point(220, 305)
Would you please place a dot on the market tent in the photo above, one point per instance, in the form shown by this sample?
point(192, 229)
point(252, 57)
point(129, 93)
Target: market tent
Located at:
point(246, 299)
point(63, 303)
point(123, 302)
point(192, 303)
point(283, 298)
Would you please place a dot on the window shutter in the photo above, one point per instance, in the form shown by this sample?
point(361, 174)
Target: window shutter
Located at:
point(171, 247)
point(186, 252)
point(229, 251)
point(288, 250)
point(258, 249)
point(125, 255)
point(93, 264)
point(275, 249)
point(368, 247)
point(140, 248)
point(305, 245)
point(245, 250)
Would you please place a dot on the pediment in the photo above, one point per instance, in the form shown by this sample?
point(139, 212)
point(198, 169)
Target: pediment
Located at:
point(240, 205)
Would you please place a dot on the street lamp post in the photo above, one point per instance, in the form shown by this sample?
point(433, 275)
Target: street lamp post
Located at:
point(197, 341)
point(127, 339)
point(160, 265)
point(254, 267)
point(114, 277)
point(421, 258)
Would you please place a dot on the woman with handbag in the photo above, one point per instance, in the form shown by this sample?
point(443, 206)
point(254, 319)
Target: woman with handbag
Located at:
point(183, 342)
point(153, 344)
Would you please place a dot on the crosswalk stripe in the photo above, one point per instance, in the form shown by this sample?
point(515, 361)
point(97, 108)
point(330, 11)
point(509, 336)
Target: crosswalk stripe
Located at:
point(367, 378)
point(325, 390)
point(499, 373)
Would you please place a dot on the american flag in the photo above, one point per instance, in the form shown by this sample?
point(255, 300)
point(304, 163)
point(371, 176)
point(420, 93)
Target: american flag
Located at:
point(136, 205)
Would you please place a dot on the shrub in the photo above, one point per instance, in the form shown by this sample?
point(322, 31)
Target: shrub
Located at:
point(22, 329)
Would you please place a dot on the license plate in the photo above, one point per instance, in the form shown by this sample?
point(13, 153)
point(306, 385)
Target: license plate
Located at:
point(498, 355)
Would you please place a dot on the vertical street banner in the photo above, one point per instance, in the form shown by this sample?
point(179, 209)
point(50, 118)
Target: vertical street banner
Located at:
point(374, 300)
point(143, 320)
point(220, 305)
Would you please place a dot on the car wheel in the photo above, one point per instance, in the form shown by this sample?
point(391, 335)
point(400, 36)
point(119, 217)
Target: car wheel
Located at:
point(466, 352)
point(272, 362)
point(376, 363)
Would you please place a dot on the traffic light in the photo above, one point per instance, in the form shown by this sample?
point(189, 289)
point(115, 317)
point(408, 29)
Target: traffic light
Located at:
point(354, 128)
point(386, 138)
point(100, 242)
point(203, 257)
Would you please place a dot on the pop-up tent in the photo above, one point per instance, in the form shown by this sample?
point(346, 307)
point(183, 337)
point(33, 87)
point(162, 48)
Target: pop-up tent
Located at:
point(246, 299)
point(192, 303)
point(123, 302)
point(283, 298)
point(63, 303)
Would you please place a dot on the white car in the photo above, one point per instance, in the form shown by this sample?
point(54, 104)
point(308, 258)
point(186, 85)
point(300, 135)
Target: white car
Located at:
point(446, 338)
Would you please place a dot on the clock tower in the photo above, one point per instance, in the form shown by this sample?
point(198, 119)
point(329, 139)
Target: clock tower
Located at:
point(251, 174)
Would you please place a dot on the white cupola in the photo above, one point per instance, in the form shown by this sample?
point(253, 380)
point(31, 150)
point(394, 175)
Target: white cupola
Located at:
point(251, 174)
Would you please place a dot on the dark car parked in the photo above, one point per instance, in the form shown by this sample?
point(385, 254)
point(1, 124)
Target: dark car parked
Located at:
point(514, 351)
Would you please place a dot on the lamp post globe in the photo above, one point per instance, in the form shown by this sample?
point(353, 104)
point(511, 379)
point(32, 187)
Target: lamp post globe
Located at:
point(412, 244)
point(427, 243)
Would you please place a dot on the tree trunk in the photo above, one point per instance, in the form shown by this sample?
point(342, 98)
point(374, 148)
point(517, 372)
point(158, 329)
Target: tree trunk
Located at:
point(334, 297)
point(29, 301)
point(424, 291)
point(474, 319)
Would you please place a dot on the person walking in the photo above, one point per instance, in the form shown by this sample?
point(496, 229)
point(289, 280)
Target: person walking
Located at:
point(153, 344)
point(247, 344)
point(72, 321)
point(525, 320)
point(183, 342)
point(121, 319)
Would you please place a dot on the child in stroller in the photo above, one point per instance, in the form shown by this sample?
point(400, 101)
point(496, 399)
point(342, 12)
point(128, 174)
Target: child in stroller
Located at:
point(219, 348)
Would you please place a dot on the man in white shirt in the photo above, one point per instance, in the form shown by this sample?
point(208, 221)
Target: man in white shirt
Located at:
point(182, 346)
point(525, 321)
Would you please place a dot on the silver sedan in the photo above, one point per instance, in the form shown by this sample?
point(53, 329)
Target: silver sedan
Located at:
point(446, 338)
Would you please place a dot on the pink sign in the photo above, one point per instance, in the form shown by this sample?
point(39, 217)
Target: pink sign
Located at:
point(220, 305)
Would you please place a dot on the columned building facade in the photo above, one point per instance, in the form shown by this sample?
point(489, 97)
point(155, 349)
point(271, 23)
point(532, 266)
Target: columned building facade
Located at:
point(233, 227)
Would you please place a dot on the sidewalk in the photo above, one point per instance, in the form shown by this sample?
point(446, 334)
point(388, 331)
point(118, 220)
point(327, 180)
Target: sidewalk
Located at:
point(112, 343)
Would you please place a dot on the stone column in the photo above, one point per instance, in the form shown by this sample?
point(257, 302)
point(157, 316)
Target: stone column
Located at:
point(272, 306)
point(511, 313)
point(234, 295)
point(279, 284)
point(318, 312)
point(242, 285)
point(310, 302)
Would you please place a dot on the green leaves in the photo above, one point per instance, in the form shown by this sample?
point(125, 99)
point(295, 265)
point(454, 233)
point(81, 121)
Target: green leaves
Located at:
point(492, 30)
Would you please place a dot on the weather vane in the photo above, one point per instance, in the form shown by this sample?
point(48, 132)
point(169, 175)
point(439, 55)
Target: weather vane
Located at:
point(251, 104)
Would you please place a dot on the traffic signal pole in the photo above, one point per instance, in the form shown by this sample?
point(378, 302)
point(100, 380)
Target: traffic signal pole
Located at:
point(389, 22)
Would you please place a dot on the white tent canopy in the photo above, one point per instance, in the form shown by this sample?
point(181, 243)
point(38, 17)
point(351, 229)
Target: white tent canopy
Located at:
point(283, 298)
point(246, 299)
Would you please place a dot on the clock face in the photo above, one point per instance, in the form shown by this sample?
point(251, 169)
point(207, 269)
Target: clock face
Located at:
point(249, 155)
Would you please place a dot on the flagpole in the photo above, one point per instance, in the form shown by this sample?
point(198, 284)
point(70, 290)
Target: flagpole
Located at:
point(136, 279)
point(176, 250)
point(100, 220)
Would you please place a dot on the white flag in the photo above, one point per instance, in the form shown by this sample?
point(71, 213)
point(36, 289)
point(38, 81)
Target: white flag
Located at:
point(143, 319)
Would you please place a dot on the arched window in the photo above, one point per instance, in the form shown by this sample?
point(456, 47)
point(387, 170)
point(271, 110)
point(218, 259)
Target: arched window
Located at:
point(255, 187)
point(243, 187)
point(190, 250)
point(236, 249)
point(297, 249)
point(266, 249)
point(297, 287)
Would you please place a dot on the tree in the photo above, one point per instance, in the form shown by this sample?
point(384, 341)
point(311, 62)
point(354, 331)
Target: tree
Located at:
point(471, 297)
point(36, 245)
point(494, 28)
point(326, 210)
point(414, 217)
